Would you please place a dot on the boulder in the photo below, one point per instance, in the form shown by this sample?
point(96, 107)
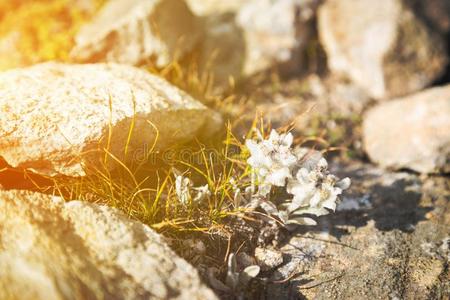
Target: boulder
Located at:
point(137, 31)
point(412, 132)
point(276, 33)
point(381, 45)
point(57, 119)
point(77, 250)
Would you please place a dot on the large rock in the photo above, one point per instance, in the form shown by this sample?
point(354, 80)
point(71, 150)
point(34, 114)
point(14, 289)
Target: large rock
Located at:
point(381, 45)
point(243, 38)
point(412, 132)
point(58, 118)
point(76, 250)
point(137, 31)
point(276, 33)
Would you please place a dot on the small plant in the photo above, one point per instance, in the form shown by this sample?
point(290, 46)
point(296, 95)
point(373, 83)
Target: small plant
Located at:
point(300, 172)
point(260, 185)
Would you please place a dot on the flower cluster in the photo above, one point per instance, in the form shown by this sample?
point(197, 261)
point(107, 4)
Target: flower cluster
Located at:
point(274, 162)
point(271, 160)
point(303, 172)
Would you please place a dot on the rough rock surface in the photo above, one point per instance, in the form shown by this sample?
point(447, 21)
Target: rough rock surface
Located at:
point(58, 118)
point(412, 132)
point(381, 45)
point(267, 258)
point(276, 32)
point(135, 31)
point(76, 250)
point(393, 245)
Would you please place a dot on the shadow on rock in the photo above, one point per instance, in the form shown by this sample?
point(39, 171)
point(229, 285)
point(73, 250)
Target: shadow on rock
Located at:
point(18, 179)
point(391, 200)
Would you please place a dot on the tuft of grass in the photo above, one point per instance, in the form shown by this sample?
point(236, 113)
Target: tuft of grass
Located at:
point(146, 191)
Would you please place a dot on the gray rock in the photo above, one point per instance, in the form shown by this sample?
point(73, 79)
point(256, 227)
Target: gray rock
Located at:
point(412, 132)
point(243, 38)
point(268, 259)
point(381, 45)
point(59, 118)
point(76, 250)
point(135, 31)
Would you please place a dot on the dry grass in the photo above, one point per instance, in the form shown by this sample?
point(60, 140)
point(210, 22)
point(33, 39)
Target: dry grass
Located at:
point(146, 191)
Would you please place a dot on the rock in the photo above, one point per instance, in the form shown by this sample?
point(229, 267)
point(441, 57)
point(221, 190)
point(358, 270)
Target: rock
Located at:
point(137, 31)
point(268, 259)
point(78, 250)
point(393, 249)
point(276, 33)
point(243, 38)
point(58, 118)
point(381, 45)
point(344, 98)
point(412, 132)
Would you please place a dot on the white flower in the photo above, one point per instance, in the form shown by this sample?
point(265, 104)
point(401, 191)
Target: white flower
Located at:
point(304, 173)
point(271, 160)
point(315, 190)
